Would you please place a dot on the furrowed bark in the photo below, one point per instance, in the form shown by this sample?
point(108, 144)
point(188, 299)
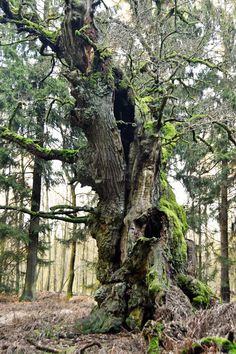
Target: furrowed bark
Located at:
point(223, 220)
point(132, 234)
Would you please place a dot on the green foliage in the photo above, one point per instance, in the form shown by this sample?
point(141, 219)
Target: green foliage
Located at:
point(135, 318)
point(6, 289)
point(153, 331)
point(5, 158)
point(12, 252)
point(198, 293)
point(150, 127)
point(7, 182)
point(99, 321)
point(157, 278)
point(143, 104)
point(169, 134)
point(222, 345)
point(8, 232)
point(154, 284)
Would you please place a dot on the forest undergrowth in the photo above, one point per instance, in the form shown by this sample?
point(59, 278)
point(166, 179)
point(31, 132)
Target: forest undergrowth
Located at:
point(47, 326)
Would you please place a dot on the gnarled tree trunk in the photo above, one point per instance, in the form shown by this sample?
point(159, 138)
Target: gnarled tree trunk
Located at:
point(123, 166)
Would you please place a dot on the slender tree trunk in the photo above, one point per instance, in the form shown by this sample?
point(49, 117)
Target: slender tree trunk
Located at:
point(200, 268)
point(49, 245)
point(82, 273)
point(50, 261)
point(63, 258)
point(30, 277)
point(69, 292)
point(223, 218)
point(55, 249)
point(31, 265)
point(207, 252)
point(71, 277)
point(21, 222)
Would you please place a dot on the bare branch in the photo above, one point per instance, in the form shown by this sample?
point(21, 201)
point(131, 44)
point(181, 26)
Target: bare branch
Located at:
point(59, 209)
point(227, 129)
point(48, 215)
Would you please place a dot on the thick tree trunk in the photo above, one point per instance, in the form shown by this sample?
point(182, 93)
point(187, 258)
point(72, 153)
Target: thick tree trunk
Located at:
point(135, 248)
point(223, 218)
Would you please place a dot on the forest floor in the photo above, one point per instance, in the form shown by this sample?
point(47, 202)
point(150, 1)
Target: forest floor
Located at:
point(47, 326)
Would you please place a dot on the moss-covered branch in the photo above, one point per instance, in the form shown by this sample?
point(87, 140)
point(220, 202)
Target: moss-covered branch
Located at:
point(48, 215)
point(7, 8)
point(193, 60)
point(63, 155)
point(24, 23)
point(69, 209)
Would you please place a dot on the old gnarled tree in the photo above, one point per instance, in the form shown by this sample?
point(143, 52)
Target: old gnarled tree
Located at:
point(138, 226)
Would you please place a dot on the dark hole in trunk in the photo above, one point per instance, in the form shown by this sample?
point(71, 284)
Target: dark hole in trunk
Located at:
point(154, 224)
point(124, 114)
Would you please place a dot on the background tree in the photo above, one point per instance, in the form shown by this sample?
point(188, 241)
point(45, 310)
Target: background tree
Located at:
point(205, 173)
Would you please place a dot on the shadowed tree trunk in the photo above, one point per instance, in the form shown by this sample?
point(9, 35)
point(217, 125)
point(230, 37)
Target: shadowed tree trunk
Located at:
point(69, 292)
point(200, 245)
point(223, 218)
point(28, 293)
point(30, 277)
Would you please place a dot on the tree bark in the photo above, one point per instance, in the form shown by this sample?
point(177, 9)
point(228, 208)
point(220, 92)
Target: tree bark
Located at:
point(223, 218)
point(200, 246)
point(69, 292)
point(30, 277)
point(131, 231)
point(28, 293)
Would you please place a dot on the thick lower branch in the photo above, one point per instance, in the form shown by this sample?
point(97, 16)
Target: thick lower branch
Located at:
point(45, 215)
point(23, 22)
point(63, 155)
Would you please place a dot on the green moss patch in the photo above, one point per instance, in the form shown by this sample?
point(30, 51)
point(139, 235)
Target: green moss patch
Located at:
point(99, 321)
point(157, 279)
point(198, 293)
point(178, 224)
point(221, 345)
point(154, 284)
point(135, 318)
point(153, 331)
point(168, 141)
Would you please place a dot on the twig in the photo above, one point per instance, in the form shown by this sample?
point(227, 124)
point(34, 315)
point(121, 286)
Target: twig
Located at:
point(53, 63)
point(42, 347)
point(81, 351)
